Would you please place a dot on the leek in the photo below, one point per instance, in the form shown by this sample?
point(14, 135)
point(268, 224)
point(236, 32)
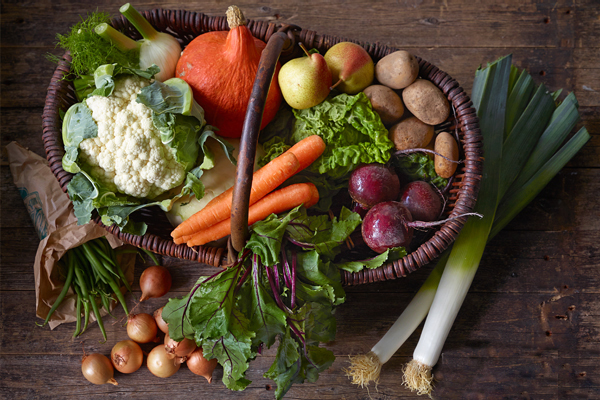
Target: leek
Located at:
point(507, 153)
point(366, 368)
point(491, 88)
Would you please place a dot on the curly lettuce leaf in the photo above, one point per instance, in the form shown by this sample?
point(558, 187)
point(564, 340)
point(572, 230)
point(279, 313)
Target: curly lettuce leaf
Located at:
point(419, 166)
point(353, 133)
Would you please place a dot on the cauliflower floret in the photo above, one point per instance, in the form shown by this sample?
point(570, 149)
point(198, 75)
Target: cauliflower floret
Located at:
point(128, 154)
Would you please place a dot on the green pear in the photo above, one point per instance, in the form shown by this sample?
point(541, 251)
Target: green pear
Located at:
point(305, 81)
point(352, 68)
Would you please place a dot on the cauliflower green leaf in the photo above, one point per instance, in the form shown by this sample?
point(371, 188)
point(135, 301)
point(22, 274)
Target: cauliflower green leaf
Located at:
point(128, 156)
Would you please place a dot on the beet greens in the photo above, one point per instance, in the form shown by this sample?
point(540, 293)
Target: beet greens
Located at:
point(284, 285)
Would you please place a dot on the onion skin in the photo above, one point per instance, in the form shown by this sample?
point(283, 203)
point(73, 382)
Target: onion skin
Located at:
point(179, 349)
point(141, 328)
point(155, 281)
point(98, 369)
point(159, 364)
point(160, 322)
point(127, 356)
point(200, 365)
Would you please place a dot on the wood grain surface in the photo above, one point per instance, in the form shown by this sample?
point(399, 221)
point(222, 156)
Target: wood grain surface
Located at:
point(530, 325)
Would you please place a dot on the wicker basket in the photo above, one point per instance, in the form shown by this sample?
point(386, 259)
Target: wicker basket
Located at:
point(282, 44)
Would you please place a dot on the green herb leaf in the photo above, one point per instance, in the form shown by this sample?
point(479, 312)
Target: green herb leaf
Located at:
point(88, 50)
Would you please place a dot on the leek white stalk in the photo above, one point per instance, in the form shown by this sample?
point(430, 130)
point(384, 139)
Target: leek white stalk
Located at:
point(156, 47)
point(539, 164)
point(365, 368)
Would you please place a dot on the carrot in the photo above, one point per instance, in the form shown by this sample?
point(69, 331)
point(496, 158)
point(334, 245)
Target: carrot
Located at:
point(274, 203)
point(264, 181)
point(308, 150)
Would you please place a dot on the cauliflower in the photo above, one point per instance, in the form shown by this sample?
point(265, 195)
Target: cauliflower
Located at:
point(128, 154)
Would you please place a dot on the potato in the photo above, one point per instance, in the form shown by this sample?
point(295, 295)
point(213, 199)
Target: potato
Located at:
point(397, 70)
point(445, 145)
point(386, 103)
point(410, 133)
point(426, 102)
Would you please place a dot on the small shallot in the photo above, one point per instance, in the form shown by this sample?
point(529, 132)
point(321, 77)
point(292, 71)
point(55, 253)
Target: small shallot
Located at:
point(141, 328)
point(98, 369)
point(155, 281)
point(160, 322)
point(179, 349)
point(127, 356)
point(159, 364)
point(200, 365)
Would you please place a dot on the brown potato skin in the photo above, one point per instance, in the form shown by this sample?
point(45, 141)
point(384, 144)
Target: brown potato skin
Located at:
point(426, 102)
point(397, 70)
point(445, 145)
point(386, 103)
point(411, 133)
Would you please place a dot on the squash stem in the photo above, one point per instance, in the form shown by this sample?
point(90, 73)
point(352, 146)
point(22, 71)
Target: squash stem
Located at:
point(235, 17)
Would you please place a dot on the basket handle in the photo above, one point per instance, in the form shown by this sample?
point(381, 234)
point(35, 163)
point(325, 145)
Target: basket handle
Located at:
point(251, 128)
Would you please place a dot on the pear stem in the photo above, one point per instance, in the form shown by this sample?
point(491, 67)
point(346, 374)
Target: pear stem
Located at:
point(337, 83)
point(304, 48)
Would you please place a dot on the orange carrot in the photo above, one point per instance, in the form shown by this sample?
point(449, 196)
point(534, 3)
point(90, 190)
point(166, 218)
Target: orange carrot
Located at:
point(274, 203)
point(308, 150)
point(264, 181)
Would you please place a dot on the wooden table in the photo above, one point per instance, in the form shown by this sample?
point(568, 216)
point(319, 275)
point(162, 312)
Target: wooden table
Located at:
point(530, 326)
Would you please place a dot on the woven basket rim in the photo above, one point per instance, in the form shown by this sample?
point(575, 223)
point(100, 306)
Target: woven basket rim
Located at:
point(185, 25)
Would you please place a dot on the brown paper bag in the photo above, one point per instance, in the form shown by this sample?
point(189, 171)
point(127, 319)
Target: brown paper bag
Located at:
point(52, 215)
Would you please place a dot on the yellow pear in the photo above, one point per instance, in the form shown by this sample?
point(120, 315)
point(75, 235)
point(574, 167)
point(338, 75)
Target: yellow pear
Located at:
point(305, 81)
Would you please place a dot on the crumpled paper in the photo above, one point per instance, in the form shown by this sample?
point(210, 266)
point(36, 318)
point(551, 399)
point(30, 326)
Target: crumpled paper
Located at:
point(52, 214)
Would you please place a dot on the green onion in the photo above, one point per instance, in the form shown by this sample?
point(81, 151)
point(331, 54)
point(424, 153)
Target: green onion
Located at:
point(498, 95)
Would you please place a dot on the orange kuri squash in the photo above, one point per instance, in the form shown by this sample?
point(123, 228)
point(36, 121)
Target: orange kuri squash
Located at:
point(220, 67)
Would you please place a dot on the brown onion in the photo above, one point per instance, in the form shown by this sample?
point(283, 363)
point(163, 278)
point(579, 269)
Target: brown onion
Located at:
point(155, 281)
point(142, 328)
point(200, 365)
point(179, 349)
point(159, 364)
point(98, 369)
point(160, 322)
point(127, 356)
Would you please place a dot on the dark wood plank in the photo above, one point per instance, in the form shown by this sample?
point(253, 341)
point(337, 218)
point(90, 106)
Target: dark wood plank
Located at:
point(493, 341)
point(29, 78)
point(542, 24)
point(530, 325)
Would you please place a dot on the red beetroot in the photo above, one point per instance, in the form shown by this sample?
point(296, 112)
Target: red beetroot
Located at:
point(422, 200)
point(373, 183)
point(390, 224)
point(386, 226)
